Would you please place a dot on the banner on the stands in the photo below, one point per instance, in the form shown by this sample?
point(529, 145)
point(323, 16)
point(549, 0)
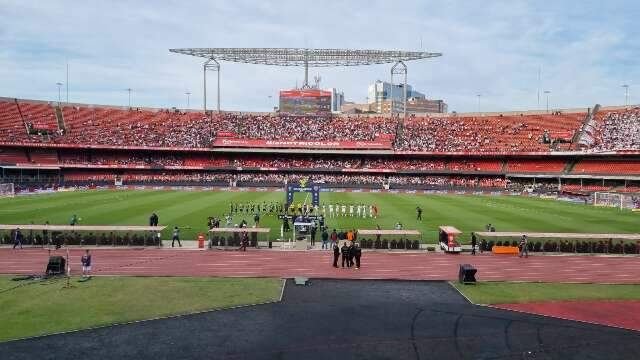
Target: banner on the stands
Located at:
point(226, 134)
point(561, 135)
point(301, 144)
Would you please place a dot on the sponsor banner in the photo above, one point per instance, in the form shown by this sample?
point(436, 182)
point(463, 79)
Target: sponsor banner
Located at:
point(562, 135)
point(385, 136)
point(301, 144)
point(88, 146)
point(45, 127)
point(229, 134)
point(369, 170)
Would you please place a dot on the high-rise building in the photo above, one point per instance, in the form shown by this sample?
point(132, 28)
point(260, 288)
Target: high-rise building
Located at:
point(380, 97)
point(337, 99)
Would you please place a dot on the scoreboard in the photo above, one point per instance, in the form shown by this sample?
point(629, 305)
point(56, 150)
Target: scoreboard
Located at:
point(311, 101)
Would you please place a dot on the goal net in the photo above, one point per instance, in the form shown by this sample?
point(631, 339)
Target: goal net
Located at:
point(7, 189)
point(621, 201)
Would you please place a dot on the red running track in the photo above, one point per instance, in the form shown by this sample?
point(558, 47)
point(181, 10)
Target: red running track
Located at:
point(317, 264)
point(623, 314)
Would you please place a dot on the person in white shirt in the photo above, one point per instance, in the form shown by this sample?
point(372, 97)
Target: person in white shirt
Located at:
point(351, 210)
point(344, 210)
point(331, 210)
point(359, 210)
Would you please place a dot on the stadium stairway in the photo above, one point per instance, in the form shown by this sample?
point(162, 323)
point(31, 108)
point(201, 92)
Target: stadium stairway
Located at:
point(59, 117)
point(24, 122)
point(569, 167)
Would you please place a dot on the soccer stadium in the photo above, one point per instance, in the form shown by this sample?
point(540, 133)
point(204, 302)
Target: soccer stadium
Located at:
point(400, 226)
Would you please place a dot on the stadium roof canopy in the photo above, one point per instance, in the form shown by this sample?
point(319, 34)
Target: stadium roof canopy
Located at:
point(306, 57)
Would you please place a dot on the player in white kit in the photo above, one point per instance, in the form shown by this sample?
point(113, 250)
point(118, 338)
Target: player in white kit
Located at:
point(344, 210)
point(330, 210)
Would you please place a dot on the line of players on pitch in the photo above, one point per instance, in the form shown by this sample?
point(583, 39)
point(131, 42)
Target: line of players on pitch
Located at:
point(326, 210)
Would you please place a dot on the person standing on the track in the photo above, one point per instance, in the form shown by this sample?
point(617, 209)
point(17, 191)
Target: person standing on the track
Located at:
point(345, 254)
point(17, 238)
point(336, 255)
point(474, 242)
point(334, 238)
point(418, 213)
point(352, 253)
point(314, 230)
point(86, 264)
point(244, 242)
point(357, 254)
point(523, 246)
point(325, 239)
point(176, 236)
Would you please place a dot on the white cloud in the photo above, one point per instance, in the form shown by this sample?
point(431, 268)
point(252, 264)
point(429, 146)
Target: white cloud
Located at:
point(586, 49)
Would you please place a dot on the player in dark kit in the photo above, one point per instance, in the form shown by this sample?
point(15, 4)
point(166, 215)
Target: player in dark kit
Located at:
point(336, 255)
point(345, 254)
point(418, 213)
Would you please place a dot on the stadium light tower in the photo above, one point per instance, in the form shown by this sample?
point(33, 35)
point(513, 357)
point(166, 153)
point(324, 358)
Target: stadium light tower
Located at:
point(479, 96)
point(59, 85)
point(129, 90)
point(188, 94)
point(212, 65)
point(547, 92)
point(626, 94)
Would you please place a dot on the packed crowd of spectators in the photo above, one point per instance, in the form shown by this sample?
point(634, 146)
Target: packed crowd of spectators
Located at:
point(346, 128)
point(452, 134)
point(281, 179)
point(619, 131)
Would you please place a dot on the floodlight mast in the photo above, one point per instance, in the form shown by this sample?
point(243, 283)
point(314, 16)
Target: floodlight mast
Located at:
point(307, 58)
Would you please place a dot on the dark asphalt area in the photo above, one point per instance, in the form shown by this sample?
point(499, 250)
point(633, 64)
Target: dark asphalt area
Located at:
point(343, 319)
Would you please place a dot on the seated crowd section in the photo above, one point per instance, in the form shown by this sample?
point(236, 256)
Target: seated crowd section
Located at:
point(70, 158)
point(617, 130)
point(117, 126)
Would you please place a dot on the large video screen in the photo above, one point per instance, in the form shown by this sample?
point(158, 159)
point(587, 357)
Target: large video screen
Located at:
point(305, 101)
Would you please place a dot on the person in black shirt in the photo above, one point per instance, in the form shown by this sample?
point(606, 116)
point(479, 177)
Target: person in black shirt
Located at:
point(419, 213)
point(313, 234)
point(357, 254)
point(336, 255)
point(345, 254)
point(153, 220)
point(351, 252)
point(17, 238)
point(474, 242)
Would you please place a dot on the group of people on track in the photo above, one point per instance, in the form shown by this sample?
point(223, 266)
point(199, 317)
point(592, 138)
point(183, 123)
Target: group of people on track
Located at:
point(350, 251)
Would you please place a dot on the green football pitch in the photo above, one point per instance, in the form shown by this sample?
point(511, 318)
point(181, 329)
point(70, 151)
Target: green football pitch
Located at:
point(191, 209)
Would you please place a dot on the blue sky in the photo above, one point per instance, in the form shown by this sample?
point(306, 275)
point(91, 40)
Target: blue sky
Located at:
point(585, 49)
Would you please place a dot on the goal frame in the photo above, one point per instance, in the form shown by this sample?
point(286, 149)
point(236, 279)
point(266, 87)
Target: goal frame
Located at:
point(619, 202)
point(10, 192)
